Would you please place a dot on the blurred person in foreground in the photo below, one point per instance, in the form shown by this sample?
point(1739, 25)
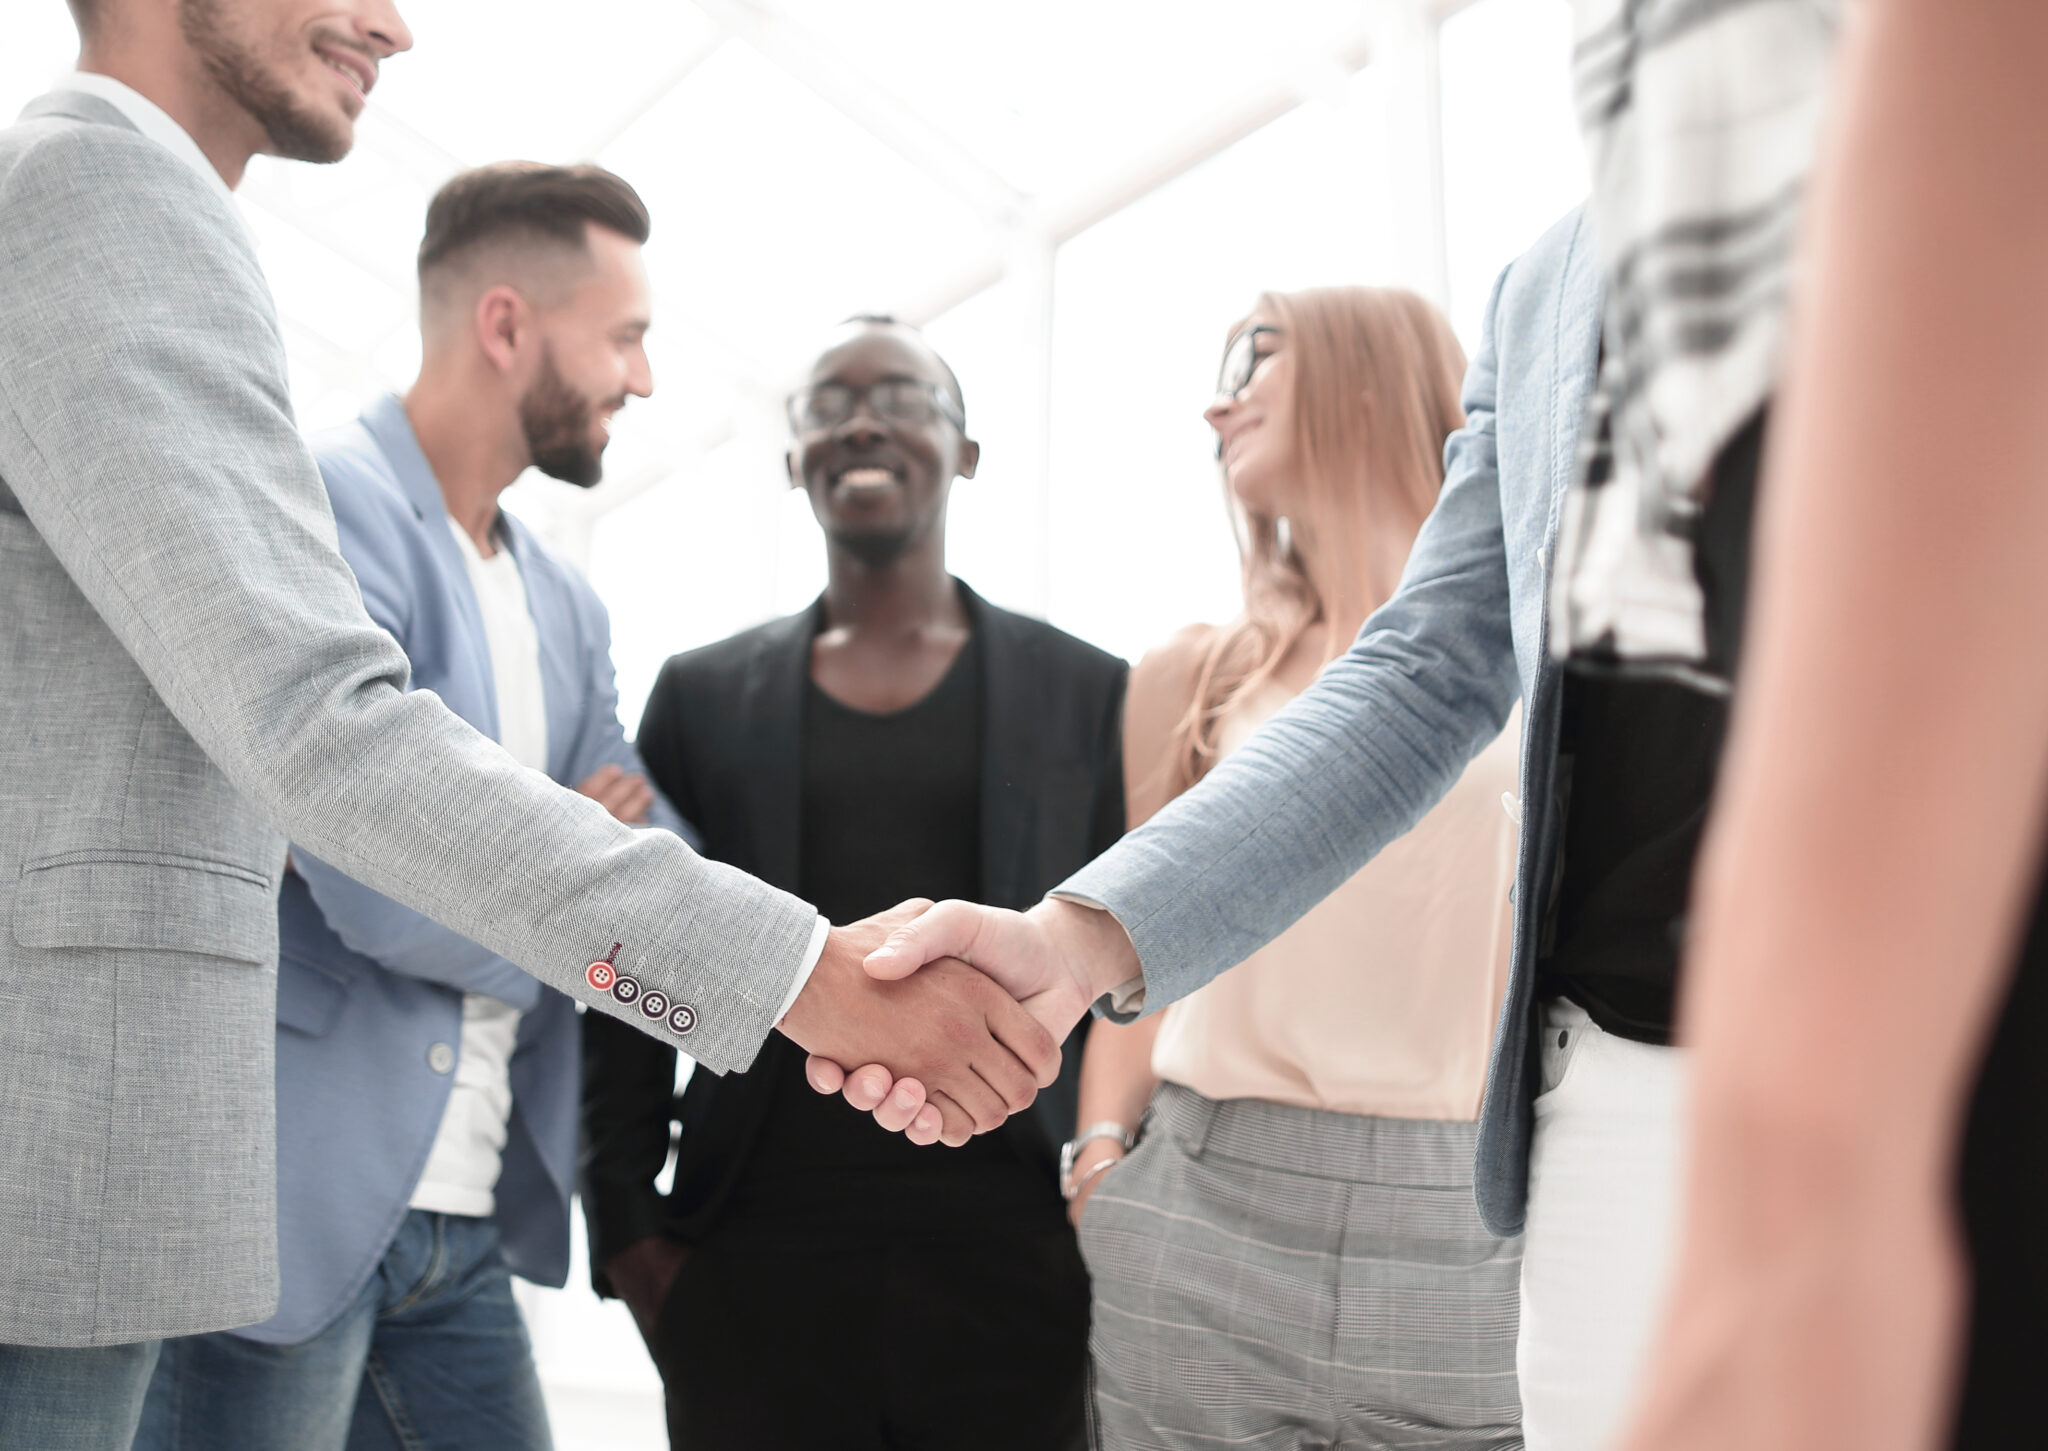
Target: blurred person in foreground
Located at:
point(426, 1087)
point(1307, 1158)
point(812, 1280)
point(192, 680)
point(1866, 1257)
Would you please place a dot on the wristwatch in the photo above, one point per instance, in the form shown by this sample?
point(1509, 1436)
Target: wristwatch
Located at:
point(1107, 1129)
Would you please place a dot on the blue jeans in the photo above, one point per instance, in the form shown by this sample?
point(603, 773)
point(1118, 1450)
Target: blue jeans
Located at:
point(432, 1356)
point(73, 1400)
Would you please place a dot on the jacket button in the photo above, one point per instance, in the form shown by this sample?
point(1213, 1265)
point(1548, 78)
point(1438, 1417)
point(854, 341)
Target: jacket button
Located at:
point(441, 1058)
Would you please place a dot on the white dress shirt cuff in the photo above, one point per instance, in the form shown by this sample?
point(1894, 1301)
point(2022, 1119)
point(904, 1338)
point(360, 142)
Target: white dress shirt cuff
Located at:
point(810, 965)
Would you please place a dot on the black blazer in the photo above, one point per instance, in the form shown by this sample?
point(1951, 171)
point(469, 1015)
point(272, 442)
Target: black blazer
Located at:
point(721, 737)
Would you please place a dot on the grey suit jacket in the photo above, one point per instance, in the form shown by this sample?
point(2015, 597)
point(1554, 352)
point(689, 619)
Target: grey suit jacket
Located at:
point(187, 677)
point(1358, 758)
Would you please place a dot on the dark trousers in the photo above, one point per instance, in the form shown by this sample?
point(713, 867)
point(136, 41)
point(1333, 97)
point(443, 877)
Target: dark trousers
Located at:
point(769, 1343)
point(2005, 1217)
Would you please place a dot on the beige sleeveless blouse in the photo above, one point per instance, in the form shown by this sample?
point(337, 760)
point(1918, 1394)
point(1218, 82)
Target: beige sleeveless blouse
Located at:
point(1382, 1000)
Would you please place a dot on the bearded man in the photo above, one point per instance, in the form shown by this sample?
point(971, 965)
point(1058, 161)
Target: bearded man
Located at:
point(426, 1087)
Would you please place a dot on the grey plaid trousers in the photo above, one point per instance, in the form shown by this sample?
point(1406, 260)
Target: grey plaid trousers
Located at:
point(1278, 1277)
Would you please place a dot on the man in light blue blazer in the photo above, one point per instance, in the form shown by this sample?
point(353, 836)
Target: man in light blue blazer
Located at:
point(427, 1088)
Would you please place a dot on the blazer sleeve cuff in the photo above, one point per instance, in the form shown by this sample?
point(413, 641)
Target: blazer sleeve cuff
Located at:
point(819, 934)
point(1124, 1003)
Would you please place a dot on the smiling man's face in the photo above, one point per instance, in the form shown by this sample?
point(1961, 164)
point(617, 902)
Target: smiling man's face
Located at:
point(877, 484)
point(302, 68)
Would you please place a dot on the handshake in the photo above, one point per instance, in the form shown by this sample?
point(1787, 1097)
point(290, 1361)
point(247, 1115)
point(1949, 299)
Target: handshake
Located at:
point(943, 1020)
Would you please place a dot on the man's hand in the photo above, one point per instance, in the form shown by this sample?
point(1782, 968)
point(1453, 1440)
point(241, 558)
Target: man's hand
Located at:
point(643, 1273)
point(625, 794)
point(950, 1030)
point(1056, 960)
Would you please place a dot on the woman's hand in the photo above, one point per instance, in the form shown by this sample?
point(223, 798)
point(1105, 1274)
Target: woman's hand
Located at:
point(1096, 1162)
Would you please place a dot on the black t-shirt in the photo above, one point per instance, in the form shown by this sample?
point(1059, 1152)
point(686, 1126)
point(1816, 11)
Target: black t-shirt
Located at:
point(891, 809)
point(1637, 760)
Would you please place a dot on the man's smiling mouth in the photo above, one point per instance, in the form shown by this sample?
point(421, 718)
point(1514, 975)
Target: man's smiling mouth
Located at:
point(865, 478)
point(360, 73)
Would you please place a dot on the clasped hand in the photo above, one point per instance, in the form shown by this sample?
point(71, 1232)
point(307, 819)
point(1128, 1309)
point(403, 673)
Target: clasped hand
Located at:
point(955, 1011)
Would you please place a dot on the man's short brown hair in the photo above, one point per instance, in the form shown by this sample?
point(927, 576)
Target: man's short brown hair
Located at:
point(525, 201)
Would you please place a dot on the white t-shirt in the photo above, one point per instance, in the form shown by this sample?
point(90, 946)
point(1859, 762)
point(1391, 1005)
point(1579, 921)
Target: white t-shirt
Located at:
point(462, 1168)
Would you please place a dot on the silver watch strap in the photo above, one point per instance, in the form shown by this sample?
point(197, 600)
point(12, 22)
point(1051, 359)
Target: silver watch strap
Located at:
point(1105, 1129)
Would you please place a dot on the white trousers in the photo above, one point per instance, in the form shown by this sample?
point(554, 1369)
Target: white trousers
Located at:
point(1603, 1200)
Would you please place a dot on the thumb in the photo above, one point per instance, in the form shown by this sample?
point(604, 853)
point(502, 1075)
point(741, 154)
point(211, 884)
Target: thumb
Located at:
point(903, 912)
point(946, 930)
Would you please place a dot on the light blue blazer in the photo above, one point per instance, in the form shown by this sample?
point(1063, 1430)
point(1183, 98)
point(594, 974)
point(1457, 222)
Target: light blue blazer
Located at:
point(369, 993)
point(1358, 758)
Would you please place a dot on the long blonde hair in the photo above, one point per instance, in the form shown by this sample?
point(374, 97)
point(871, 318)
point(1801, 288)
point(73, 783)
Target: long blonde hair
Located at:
point(1376, 378)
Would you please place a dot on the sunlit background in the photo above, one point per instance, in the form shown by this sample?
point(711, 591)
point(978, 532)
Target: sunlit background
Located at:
point(1076, 200)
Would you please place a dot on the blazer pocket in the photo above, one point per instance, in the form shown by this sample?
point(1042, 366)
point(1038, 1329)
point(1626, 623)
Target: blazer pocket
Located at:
point(309, 997)
point(147, 901)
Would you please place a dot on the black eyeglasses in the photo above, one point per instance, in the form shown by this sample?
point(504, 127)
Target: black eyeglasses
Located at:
point(898, 400)
point(1241, 359)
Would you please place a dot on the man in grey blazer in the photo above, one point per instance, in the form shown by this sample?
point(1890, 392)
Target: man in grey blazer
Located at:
point(191, 679)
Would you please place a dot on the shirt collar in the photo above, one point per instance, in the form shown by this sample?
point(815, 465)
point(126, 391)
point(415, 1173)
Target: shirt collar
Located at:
point(152, 121)
point(388, 423)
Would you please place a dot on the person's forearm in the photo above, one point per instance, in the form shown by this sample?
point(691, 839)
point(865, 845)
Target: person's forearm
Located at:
point(1880, 816)
point(1116, 1084)
point(1116, 1073)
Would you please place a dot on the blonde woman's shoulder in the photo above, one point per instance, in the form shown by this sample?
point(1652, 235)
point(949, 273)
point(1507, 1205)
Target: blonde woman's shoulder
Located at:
point(1162, 689)
point(1165, 678)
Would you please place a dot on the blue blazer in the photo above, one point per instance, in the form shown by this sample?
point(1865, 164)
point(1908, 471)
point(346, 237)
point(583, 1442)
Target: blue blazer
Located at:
point(1358, 758)
point(369, 993)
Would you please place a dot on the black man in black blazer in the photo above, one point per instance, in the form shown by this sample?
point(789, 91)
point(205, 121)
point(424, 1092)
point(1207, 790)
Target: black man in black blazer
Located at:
point(811, 1280)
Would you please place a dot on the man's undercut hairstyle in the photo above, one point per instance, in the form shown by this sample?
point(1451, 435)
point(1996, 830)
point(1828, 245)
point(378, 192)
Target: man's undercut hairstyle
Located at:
point(883, 319)
point(84, 13)
point(519, 205)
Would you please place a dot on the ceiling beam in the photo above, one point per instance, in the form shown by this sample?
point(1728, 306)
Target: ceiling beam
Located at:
point(655, 94)
point(1065, 218)
point(1062, 218)
point(874, 108)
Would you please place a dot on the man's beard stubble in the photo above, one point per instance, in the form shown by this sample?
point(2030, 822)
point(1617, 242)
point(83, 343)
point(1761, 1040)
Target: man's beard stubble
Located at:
point(556, 421)
point(296, 132)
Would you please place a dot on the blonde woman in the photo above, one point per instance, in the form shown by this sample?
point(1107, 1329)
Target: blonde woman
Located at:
point(1291, 1256)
